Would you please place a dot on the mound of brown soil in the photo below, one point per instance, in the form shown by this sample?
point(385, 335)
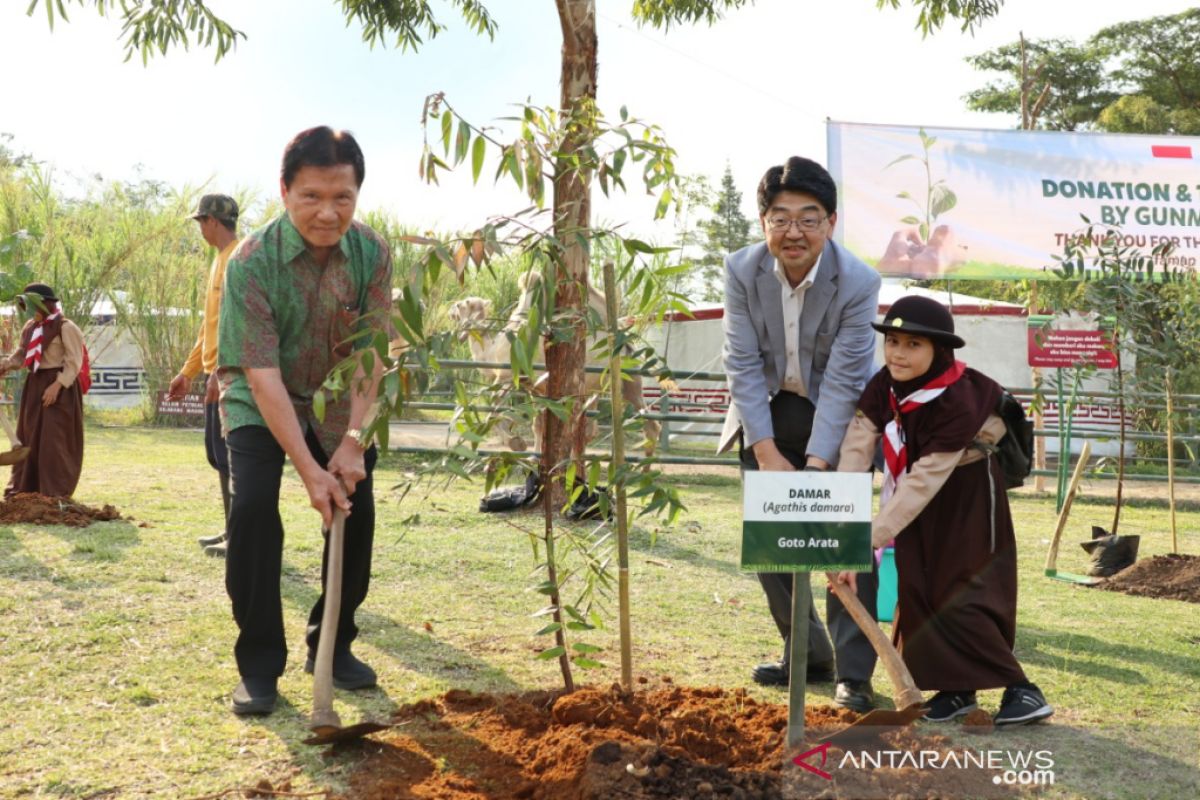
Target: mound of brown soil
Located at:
point(597, 744)
point(1175, 577)
point(38, 509)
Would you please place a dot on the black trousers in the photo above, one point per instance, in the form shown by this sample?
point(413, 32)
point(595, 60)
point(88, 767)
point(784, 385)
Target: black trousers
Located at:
point(851, 651)
point(214, 442)
point(255, 556)
point(217, 453)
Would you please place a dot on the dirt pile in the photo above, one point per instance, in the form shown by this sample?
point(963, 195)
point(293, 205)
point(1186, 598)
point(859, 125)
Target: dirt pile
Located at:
point(38, 509)
point(597, 744)
point(1175, 577)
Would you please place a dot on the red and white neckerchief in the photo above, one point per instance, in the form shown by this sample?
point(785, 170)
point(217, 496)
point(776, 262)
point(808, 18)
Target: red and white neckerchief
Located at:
point(33, 353)
point(895, 449)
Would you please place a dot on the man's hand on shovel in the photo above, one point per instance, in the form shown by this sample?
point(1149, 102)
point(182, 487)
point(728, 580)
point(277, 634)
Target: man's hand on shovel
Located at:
point(325, 493)
point(332, 487)
point(348, 464)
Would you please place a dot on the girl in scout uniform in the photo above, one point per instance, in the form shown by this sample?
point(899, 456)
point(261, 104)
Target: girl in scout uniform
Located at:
point(944, 504)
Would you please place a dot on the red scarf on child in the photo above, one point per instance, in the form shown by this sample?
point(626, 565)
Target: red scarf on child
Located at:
point(37, 341)
point(895, 444)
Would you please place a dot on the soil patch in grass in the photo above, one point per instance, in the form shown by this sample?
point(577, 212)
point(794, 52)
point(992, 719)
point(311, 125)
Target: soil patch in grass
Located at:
point(38, 509)
point(666, 742)
point(1172, 576)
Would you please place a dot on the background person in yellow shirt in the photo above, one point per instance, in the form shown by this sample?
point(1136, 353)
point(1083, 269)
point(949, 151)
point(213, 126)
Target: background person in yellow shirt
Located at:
point(217, 215)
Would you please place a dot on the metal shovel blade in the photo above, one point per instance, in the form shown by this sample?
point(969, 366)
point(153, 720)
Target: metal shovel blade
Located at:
point(1071, 577)
point(333, 734)
point(873, 722)
point(16, 455)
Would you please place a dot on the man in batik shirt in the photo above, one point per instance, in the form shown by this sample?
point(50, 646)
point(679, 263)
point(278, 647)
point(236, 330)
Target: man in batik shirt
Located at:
point(296, 293)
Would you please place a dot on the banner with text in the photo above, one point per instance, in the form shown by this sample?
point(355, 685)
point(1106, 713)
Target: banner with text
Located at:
point(1071, 339)
point(806, 521)
point(984, 204)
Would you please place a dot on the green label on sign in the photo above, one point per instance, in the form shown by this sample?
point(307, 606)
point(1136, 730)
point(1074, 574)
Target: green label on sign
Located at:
point(806, 522)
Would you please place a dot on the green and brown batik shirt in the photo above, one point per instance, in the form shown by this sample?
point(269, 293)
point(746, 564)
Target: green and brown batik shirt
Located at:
point(282, 309)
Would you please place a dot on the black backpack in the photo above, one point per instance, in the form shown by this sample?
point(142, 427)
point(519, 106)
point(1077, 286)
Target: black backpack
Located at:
point(1014, 451)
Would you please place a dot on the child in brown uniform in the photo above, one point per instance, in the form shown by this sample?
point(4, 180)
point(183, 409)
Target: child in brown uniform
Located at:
point(51, 414)
point(944, 504)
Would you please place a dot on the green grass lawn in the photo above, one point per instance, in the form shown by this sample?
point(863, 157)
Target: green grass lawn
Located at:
point(116, 640)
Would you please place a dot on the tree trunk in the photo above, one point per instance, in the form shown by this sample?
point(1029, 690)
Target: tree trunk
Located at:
point(1121, 413)
point(572, 219)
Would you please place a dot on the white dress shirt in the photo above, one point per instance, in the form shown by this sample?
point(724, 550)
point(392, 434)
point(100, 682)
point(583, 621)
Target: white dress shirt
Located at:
point(793, 307)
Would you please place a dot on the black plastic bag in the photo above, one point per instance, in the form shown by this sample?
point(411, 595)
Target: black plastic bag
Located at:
point(508, 498)
point(587, 505)
point(1110, 554)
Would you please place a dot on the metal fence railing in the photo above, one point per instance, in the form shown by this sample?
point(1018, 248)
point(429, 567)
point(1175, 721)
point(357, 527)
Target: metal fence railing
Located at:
point(666, 412)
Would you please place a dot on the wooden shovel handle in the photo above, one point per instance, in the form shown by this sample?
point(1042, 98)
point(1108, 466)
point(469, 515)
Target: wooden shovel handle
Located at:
point(907, 693)
point(1061, 524)
point(8, 429)
point(323, 714)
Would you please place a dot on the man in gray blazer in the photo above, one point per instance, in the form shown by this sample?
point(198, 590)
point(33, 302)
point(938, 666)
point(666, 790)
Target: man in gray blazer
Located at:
point(798, 350)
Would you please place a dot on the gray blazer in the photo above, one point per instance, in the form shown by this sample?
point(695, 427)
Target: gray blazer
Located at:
point(837, 344)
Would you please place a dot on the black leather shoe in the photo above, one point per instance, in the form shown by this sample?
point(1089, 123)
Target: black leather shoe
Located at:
point(772, 673)
point(348, 672)
point(775, 673)
point(855, 695)
point(254, 696)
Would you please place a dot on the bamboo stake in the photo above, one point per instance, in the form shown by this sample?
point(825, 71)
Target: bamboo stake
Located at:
point(618, 463)
point(1039, 443)
point(1171, 464)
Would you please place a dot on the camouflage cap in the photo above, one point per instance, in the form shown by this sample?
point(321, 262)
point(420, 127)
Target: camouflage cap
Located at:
point(220, 206)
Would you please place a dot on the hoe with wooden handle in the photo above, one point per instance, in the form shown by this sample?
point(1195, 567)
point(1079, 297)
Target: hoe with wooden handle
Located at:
point(326, 725)
point(19, 452)
point(909, 705)
point(1052, 555)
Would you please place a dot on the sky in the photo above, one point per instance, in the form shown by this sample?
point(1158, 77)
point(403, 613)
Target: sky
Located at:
point(749, 91)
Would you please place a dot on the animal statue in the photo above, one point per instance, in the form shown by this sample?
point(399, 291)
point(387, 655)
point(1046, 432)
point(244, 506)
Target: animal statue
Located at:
point(472, 317)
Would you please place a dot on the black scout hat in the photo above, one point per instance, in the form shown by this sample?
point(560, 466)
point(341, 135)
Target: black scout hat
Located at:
point(920, 316)
point(40, 289)
point(219, 206)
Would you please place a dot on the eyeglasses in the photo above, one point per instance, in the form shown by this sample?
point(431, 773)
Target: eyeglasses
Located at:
point(782, 224)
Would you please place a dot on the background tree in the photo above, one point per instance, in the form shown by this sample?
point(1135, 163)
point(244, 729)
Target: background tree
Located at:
point(1138, 113)
point(726, 231)
point(1141, 76)
point(1066, 83)
point(1156, 60)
